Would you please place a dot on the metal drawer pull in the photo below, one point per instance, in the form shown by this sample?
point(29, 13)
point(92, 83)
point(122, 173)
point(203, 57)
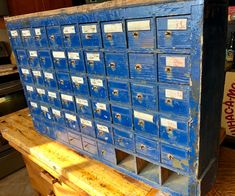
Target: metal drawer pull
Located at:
point(73, 62)
point(115, 92)
point(103, 152)
point(42, 59)
point(88, 36)
point(118, 116)
point(56, 60)
point(168, 101)
point(169, 129)
point(83, 126)
point(168, 69)
point(119, 140)
point(52, 37)
point(142, 146)
point(91, 63)
point(30, 58)
point(37, 37)
point(109, 36)
point(139, 96)
point(170, 156)
point(135, 34)
point(101, 133)
point(168, 33)
point(62, 82)
point(94, 87)
point(141, 123)
point(112, 65)
point(66, 36)
point(138, 67)
point(97, 110)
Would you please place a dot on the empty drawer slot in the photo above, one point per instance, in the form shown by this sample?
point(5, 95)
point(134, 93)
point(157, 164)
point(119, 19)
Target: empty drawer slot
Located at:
point(125, 160)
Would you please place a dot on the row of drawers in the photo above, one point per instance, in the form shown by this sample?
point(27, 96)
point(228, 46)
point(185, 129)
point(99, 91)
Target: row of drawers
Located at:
point(129, 142)
point(165, 32)
point(171, 68)
point(170, 129)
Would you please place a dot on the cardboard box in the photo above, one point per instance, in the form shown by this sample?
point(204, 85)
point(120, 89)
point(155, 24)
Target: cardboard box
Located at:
point(228, 108)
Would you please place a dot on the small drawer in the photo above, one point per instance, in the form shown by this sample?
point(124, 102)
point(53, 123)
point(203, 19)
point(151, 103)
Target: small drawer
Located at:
point(75, 140)
point(15, 38)
point(98, 88)
point(143, 66)
point(45, 59)
point(58, 116)
point(64, 82)
point(89, 145)
point(60, 61)
point(31, 92)
point(80, 85)
point(95, 63)
point(34, 108)
point(146, 123)
point(27, 37)
point(40, 37)
point(76, 61)
point(53, 98)
point(51, 131)
point(148, 148)
point(55, 36)
point(174, 99)
point(33, 59)
point(174, 32)
point(101, 111)
point(117, 65)
point(50, 79)
point(71, 36)
point(87, 127)
point(42, 95)
point(141, 34)
point(46, 112)
point(26, 75)
point(144, 96)
point(113, 34)
point(71, 120)
point(83, 106)
point(104, 132)
point(38, 77)
point(174, 68)
point(68, 102)
point(61, 135)
point(119, 91)
point(124, 139)
point(107, 152)
point(174, 131)
point(122, 116)
point(22, 58)
point(90, 35)
point(175, 157)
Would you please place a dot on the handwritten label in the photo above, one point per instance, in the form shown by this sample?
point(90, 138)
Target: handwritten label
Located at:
point(102, 128)
point(101, 106)
point(66, 97)
point(41, 91)
point(169, 123)
point(177, 24)
point(14, 33)
point(73, 55)
point(70, 117)
point(37, 73)
point(143, 116)
point(29, 88)
point(175, 61)
point(96, 82)
point(58, 54)
point(52, 94)
point(48, 75)
point(82, 101)
point(174, 94)
point(86, 122)
point(69, 30)
point(33, 104)
point(25, 33)
point(56, 112)
point(43, 108)
point(37, 32)
point(25, 71)
point(33, 53)
point(78, 80)
point(113, 28)
point(89, 29)
point(93, 56)
point(143, 25)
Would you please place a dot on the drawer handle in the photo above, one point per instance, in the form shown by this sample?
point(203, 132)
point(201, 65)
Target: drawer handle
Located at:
point(139, 96)
point(142, 146)
point(168, 101)
point(91, 63)
point(86, 145)
point(95, 88)
point(109, 36)
point(103, 152)
point(170, 156)
point(168, 33)
point(135, 34)
point(101, 133)
point(169, 129)
point(30, 58)
point(115, 92)
point(37, 37)
point(168, 70)
point(66, 36)
point(118, 116)
point(62, 82)
point(71, 139)
point(83, 126)
point(88, 36)
point(141, 123)
point(112, 65)
point(80, 106)
point(97, 110)
point(138, 67)
point(47, 177)
point(56, 60)
point(77, 84)
point(42, 59)
point(52, 37)
point(73, 62)
point(119, 140)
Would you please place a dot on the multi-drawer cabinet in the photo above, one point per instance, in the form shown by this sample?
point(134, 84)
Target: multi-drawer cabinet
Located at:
point(136, 86)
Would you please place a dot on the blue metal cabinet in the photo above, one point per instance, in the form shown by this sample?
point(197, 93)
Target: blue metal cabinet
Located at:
point(104, 132)
point(15, 38)
point(75, 140)
point(64, 82)
point(143, 66)
point(53, 98)
point(71, 36)
point(90, 35)
point(33, 59)
point(87, 126)
point(46, 112)
point(95, 63)
point(60, 61)
point(90, 146)
point(98, 88)
point(107, 152)
point(38, 77)
point(42, 95)
point(27, 38)
point(40, 37)
point(119, 91)
point(45, 59)
point(83, 106)
point(76, 61)
point(68, 102)
point(113, 34)
point(50, 79)
point(22, 58)
point(26, 75)
point(174, 32)
point(101, 111)
point(174, 68)
point(58, 116)
point(122, 116)
point(55, 36)
point(117, 65)
point(80, 84)
point(141, 34)
point(71, 120)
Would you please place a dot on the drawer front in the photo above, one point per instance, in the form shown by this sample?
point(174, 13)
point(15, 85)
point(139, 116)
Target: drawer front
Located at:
point(51, 131)
point(64, 82)
point(22, 58)
point(104, 132)
point(144, 96)
point(87, 127)
point(95, 63)
point(76, 61)
point(71, 121)
point(83, 106)
point(143, 66)
point(174, 68)
point(101, 111)
point(107, 152)
point(50, 79)
point(174, 32)
point(58, 116)
point(33, 59)
point(174, 131)
point(122, 116)
point(15, 38)
point(71, 36)
point(31, 92)
point(26, 75)
point(141, 34)
point(90, 145)
point(45, 59)
point(54, 98)
point(174, 99)
point(68, 102)
point(175, 157)
point(40, 37)
point(61, 136)
point(80, 85)
point(46, 112)
point(148, 148)
point(42, 95)
point(60, 61)
point(54, 36)
point(117, 65)
point(113, 34)
point(38, 77)
point(119, 91)
point(75, 140)
point(34, 108)
point(146, 123)
point(98, 88)
point(27, 37)
point(124, 139)
point(90, 35)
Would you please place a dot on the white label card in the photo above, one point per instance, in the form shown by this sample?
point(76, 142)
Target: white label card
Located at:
point(73, 55)
point(177, 24)
point(69, 30)
point(33, 53)
point(25, 71)
point(37, 73)
point(93, 56)
point(96, 82)
point(174, 94)
point(101, 106)
point(175, 61)
point(67, 97)
point(29, 88)
point(103, 128)
point(89, 29)
point(25, 33)
point(70, 117)
point(58, 54)
point(113, 28)
point(33, 104)
point(169, 123)
point(41, 91)
point(52, 94)
point(143, 116)
point(142, 25)
point(37, 31)
point(56, 112)
point(14, 33)
point(48, 75)
point(43, 108)
point(82, 101)
point(78, 80)
point(86, 122)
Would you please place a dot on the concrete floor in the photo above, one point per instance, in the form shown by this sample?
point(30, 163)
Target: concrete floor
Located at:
point(16, 184)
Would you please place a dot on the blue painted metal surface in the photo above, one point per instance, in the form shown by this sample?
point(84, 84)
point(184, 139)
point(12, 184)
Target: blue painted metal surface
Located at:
point(125, 86)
